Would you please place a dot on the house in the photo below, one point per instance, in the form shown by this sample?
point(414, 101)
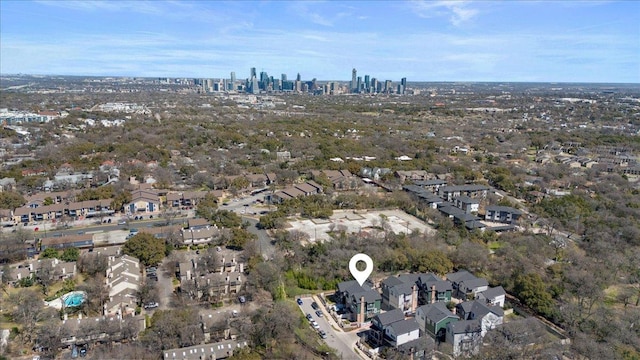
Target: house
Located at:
point(143, 201)
point(466, 204)
point(340, 179)
point(398, 293)
point(473, 191)
point(54, 268)
point(493, 296)
point(432, 185)
point(434, 318)
point(464, 283)
point(214, 351)
point(434, 289)
point(200, 235)
point(488, 316)
point(123, 282)
point(374, 173)
point(297, 190)
point(411, 175)
point(421, 348)
point(465, 336)
point(364, 305)
point(401, 332)
point(80, 241)
point(502, 214)
point(189, 198)
point(361, 302)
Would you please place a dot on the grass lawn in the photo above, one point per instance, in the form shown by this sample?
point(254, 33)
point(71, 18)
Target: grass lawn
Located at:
point(495, 245)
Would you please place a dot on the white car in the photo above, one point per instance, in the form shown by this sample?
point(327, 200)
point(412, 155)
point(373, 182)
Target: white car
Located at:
point(315, 324)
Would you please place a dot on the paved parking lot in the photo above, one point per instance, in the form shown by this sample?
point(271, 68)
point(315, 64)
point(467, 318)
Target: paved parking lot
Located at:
point(343, 342)
point(360, 221)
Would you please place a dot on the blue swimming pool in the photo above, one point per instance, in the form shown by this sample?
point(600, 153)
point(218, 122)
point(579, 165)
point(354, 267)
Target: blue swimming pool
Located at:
point(74, 299)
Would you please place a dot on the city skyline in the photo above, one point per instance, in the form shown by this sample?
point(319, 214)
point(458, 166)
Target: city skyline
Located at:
point(576, 41)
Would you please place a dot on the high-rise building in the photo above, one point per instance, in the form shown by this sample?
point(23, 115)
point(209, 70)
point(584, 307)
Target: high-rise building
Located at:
point(253, 73)
point(387, 87)
point(403, 83)
point(354, 76)
point(283, 77)
point(233, 76)
point(359, 84)
point(367, 83)
point(298, 78)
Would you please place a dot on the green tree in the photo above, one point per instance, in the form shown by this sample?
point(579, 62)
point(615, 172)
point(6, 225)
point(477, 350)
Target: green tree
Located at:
point(532, 291)
point(49, 253)
point(145, 247)
point(47, 201)
point(120, 200)
point(207, 207)
point(11, 200)
point(70, 254)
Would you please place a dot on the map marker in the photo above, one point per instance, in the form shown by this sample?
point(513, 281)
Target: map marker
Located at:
point(361, 276)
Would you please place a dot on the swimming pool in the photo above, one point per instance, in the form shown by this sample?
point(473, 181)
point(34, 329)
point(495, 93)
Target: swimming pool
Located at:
point(74, 298)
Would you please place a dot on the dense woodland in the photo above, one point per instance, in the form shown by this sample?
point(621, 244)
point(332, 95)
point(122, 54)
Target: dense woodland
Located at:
point(576, 262)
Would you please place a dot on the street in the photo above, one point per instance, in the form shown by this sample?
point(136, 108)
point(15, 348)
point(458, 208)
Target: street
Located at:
point(343, 342)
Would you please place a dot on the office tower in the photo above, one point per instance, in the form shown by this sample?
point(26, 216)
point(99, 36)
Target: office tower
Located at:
point(354, 75)
point(283, 77)
point(255, 87)
point(359, 84)
point(233, 77)
point(367, 83)
point(403, 82)
point(298, 78)
point(387, 86)
point(253, 73)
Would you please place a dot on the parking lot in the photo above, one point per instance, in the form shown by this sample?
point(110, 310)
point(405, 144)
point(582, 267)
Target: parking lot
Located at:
point(335, 338)
point(352, 221)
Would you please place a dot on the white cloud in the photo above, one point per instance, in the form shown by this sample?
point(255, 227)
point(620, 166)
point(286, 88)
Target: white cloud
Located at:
point(458, 12)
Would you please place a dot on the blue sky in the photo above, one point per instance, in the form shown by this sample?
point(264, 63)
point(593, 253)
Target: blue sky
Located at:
point(549, 41)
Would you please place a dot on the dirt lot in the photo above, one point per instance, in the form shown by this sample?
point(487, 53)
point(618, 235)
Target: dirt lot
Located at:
point(355, 221)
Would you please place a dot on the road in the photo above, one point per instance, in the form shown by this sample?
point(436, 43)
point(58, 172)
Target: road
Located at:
point(343, 343)
point(267, 248)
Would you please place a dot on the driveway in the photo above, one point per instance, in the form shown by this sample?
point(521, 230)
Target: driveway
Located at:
point(264, 240)
point(342, 342)
point(165, 287)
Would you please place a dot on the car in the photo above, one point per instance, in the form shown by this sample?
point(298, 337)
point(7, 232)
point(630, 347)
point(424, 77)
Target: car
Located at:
point(315, 324)
point(322, 334)
point(315, 306)
point(83, 352)
point(319, 313)
point(299, 301)
point(242, 299)
point(309, 317)
point(122, 222)
point(151, 305)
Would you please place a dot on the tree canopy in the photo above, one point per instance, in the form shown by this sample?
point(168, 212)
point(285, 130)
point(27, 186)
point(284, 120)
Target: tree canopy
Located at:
point(145, 247)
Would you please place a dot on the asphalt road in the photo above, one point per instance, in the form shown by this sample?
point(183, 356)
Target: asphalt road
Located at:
point(264, 240)
point(342, 342)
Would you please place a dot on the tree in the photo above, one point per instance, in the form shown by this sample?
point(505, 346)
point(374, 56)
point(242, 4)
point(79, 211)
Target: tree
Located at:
point(28, 311)
point(49, 253)
point(208, 261)
point(70, 254)
point(97, 293)
point(145, 247)
point(11, 200)
point(207, 207)
point(148, 292)
point(531, 290)
point(92, 263)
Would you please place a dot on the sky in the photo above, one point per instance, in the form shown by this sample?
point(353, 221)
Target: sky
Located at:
point(520, 41)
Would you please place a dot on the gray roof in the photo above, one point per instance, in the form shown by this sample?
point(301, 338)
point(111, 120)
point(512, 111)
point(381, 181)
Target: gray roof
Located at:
point(391, 281)
point(464, 188)
point(390, 317)
point(450, 209)
point(479, 309)
point(459, 276)
point(493, 292)
point(465, 326)
point(422, 343)
point(436, 312)
point(473, 283)
point(404, 326)
point(351, 286)
point(369, 295)
point(508, 209)
point(466, 199)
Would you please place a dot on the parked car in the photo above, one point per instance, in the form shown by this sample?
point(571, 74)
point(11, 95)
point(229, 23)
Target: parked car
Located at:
point(151, 305)
point(319, 313)
point(315, 306)
point(309, 317)
point(299, 301)
point(322, 334)
point(315, 324)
